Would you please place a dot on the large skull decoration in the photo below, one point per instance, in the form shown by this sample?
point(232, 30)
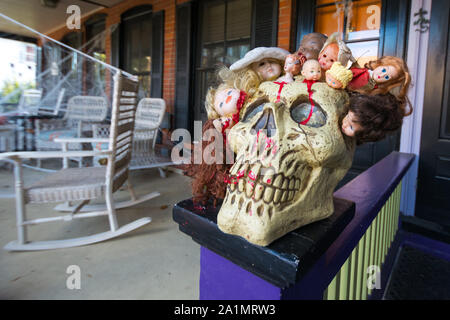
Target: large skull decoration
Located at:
point(285, 172)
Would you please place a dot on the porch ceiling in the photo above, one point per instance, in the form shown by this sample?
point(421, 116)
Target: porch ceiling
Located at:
point(44, 19)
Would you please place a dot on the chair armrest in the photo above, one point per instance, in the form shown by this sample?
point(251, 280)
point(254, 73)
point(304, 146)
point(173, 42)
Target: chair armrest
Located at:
point(80, 140)
point(50, 154)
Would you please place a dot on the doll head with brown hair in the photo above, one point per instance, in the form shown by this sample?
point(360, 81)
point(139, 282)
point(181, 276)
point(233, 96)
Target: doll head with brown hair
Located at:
point(389, 73)
point(371, 117)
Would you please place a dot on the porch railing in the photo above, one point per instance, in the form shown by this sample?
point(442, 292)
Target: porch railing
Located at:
point(355, 265)
point(368, 257)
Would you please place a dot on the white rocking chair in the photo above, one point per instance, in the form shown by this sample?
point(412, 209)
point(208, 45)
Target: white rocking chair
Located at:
point(149, 116)
point(81, 114)
point(83, 184)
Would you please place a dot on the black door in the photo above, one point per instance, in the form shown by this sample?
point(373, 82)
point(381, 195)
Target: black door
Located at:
point(433, 187)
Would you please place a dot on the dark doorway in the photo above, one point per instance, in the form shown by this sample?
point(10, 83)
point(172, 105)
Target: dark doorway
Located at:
point(433, 186)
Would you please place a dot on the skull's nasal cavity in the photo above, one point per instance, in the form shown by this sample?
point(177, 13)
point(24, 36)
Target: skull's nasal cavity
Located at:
point(266, 122)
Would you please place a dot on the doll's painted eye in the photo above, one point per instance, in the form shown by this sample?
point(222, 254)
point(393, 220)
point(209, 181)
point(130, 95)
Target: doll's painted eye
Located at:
point(229, 92)
point(383, 70)
point(221, 104)
point(324, 56)
point(386, 77)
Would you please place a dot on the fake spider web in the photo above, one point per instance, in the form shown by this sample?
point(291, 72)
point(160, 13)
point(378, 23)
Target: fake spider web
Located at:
point(62, 72)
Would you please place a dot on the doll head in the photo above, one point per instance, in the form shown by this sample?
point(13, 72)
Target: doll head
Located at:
point(244, 79)
point(335, 50)
point(225, 101)
point(293, 64)
point(311, 45)
point(389, 73)
point(370, 118)
point(263, 63)
point(338, 76)
point(311, 70)
point(267, 69)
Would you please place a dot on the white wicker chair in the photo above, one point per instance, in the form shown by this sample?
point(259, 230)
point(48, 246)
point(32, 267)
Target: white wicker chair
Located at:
point(29, 101)
point(149, 116)
point(83, 184)
point(53, 110)
point(81, 113)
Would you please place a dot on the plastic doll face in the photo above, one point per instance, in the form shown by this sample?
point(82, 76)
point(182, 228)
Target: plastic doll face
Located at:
point(349, 124)
point(328, 56)
point(384, 73)
point(292, 65)
point(267, 69)
point(225, 101)
point(333, 82)
point(311, 70)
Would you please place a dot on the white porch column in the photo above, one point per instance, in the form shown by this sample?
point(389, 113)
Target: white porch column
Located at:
point(412, 125)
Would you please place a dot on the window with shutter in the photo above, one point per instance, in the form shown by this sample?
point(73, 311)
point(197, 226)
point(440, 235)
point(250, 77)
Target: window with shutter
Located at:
point(225, 37)
point(135, 43)
point(211, 34)
point(95, 46)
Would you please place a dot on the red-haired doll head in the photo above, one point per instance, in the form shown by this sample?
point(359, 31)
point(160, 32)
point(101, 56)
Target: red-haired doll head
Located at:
point(389, 73)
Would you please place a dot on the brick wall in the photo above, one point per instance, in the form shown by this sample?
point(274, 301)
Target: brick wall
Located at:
point(113, 17)
point(284, 24)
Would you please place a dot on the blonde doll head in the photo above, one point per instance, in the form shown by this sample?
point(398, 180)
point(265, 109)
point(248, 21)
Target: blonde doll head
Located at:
point(338, 76)
point(224, 101)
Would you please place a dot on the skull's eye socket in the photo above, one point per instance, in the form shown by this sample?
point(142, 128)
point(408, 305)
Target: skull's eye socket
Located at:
point(301, 113)
point(255, 108)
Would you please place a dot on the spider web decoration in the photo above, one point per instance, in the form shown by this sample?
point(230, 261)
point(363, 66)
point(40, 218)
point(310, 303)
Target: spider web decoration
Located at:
point(345, 7)
point(63, 72)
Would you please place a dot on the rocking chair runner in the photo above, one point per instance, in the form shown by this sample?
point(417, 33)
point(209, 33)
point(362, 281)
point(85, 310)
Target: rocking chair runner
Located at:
point(83, 184)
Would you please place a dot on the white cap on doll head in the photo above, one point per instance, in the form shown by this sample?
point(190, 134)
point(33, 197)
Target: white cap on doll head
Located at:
point(258, 54)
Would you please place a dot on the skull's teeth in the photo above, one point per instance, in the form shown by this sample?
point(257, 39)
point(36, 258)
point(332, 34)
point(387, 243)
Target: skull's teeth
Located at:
point(268, 195)
point(241, 185)
point(264, 185)
point(258, 191)
point(277, 196)
point(278, 180)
